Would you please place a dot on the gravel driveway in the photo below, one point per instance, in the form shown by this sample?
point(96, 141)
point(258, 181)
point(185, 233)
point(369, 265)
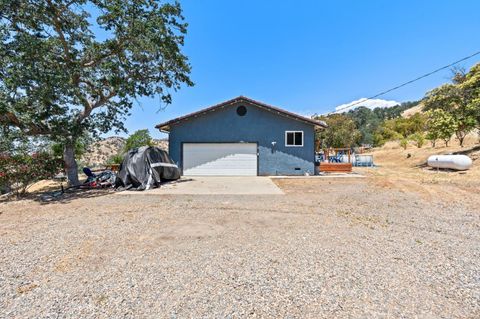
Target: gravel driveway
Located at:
point(326, 249)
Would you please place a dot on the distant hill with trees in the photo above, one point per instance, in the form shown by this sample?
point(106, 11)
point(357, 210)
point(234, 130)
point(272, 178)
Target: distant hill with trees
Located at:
point(360, 126)
point(112, 149)
point(368, 121)
point(451, 110)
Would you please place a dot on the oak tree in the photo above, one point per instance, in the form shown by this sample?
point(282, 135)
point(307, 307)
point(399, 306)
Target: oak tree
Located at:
point(73, 66)
point(440, 125)
point(458, 100)
point(341, 131)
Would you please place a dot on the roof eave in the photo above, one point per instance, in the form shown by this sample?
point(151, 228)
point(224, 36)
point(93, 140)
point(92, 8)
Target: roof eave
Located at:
point(317, 124)
point(164, 129)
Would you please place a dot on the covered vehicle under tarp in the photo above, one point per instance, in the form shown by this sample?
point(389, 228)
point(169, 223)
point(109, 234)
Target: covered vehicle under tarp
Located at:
point(146, 167)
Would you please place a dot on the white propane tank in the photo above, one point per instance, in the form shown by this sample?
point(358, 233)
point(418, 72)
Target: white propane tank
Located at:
point(456, 162)
point(344, 158)
point(364, 160)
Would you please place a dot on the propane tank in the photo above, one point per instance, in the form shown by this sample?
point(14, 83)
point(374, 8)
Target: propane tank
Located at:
point(456, 162)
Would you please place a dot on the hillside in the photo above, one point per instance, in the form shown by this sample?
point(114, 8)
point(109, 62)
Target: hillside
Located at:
point(395, 163)
point(413, 110)
point(99, 152)
point(399, 161)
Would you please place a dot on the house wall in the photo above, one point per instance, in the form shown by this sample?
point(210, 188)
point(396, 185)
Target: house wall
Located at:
point(258, 125)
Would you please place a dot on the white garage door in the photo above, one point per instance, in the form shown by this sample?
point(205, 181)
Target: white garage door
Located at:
point(230, 159)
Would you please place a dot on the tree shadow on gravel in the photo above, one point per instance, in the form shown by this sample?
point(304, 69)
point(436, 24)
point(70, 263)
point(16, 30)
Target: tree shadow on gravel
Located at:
point(55, 197)
point(65, 196)
point(71, 195)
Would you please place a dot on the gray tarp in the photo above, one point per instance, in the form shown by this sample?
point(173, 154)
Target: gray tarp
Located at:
point(146, 167)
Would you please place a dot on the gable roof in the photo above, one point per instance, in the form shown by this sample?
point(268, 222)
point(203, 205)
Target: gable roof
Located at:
point(242, 99)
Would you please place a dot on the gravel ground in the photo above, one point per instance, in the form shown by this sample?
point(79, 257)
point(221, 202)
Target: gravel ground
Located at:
point(326, 249)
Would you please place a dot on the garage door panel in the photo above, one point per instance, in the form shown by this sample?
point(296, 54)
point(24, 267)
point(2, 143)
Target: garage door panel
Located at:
point(220, 159)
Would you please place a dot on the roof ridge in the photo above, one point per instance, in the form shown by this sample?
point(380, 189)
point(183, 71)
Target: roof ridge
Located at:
point(249, 100)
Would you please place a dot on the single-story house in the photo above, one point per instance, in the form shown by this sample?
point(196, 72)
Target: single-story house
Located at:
point(242, 136)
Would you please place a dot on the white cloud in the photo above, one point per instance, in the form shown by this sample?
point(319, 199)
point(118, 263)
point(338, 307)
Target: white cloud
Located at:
point(371, 104)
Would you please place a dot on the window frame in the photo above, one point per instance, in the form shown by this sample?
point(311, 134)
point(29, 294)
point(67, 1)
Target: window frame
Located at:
point(293, 145)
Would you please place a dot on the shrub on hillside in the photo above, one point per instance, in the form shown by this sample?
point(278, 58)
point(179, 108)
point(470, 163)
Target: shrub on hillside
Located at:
point(418, 138)
point(403, 143)
point(399, 128)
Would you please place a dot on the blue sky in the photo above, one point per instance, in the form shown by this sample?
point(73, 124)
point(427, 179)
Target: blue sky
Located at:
point(311, 56)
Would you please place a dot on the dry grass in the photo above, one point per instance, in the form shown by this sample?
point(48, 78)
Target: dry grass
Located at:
point(396, 164)
point(99, 152)
point(413, 110)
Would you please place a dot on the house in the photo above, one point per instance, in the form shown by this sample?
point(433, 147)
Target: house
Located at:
point(242, 136)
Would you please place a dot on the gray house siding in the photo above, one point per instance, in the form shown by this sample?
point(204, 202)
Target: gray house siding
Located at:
point(258, 126)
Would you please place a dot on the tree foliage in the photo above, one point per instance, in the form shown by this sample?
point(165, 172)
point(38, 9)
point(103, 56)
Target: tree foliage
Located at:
point(471, 84)
point(341, 131)
point(80, 147)
point(400, 128)
point(418, 138)
point(25, 160)
point(116, 159)
point(403, 143)
point(440, 125)
point(138, 139)
point(18, 171)
point(459, 100)
point(364, 126)
point(388, 113)
point(59, 79)
point(368, 121)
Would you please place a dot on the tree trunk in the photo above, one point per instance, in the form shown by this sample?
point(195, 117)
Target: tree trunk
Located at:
point(71, 168)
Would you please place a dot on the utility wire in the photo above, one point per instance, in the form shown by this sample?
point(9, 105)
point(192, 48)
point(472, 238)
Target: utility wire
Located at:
point(411, 81)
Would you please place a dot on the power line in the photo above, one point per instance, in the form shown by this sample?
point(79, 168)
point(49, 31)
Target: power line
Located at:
point(411, 81)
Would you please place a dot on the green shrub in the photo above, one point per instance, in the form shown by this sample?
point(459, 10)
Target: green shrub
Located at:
point(138, 139)
point(404, 143)
point(20, 170)
point(399, 128)
point(432, 137)
point(115, 159)
point(418, 138)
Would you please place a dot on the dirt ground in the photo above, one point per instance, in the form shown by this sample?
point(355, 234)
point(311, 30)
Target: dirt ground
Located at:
point(409, 166)
point(399, 243)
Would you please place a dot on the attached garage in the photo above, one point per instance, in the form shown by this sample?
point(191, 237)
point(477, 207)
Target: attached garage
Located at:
point(242, 137)
point(228, 159)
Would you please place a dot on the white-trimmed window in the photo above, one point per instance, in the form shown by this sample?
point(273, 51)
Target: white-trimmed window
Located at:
point(294, 138)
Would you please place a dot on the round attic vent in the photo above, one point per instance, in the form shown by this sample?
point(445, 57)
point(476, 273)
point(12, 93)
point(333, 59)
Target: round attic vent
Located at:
point(241, 110)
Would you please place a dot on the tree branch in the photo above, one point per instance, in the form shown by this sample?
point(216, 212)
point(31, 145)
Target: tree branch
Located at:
point(95, 62)
point(104, 99)
point(120, 45)
point(32, 129)
point(58, 28)
point(88, 108)
point(90, 85)
point(11, 119)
